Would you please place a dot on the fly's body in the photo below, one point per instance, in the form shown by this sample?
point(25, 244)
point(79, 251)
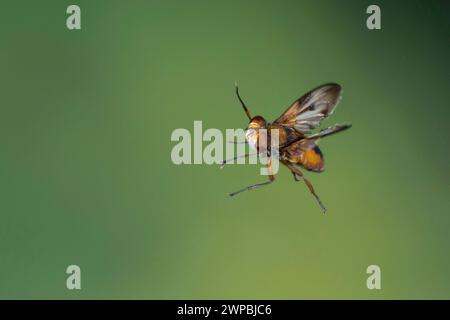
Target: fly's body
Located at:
point(258, 131)
point(296, 146)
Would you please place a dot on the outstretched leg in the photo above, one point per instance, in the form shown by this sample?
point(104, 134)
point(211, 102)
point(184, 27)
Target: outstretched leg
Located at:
point(258, 185)
point(253, 186)
point(224, 162)
point(296, 172)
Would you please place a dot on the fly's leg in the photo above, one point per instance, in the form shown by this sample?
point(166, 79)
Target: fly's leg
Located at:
point(224, 162)
point(253, 186)
point(258, 185)
point(297, 172)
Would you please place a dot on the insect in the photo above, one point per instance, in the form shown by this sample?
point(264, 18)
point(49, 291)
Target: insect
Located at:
point(297, 147)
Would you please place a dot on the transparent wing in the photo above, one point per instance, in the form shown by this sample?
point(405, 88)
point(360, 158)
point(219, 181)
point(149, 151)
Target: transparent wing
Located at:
point(307, 112)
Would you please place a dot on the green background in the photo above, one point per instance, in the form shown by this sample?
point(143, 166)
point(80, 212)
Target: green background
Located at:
point(86, 176)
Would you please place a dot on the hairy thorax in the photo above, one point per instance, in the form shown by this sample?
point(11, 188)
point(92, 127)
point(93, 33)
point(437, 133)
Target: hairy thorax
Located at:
point(260, 139)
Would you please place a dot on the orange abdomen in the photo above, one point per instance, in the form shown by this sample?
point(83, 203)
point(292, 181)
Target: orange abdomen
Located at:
point(306, 154)
point(312, 159)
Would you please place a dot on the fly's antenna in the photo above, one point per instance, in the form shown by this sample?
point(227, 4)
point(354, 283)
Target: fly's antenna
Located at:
point(242, 102)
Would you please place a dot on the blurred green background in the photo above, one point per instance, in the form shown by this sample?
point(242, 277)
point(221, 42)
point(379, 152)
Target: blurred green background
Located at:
point(86, 176)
